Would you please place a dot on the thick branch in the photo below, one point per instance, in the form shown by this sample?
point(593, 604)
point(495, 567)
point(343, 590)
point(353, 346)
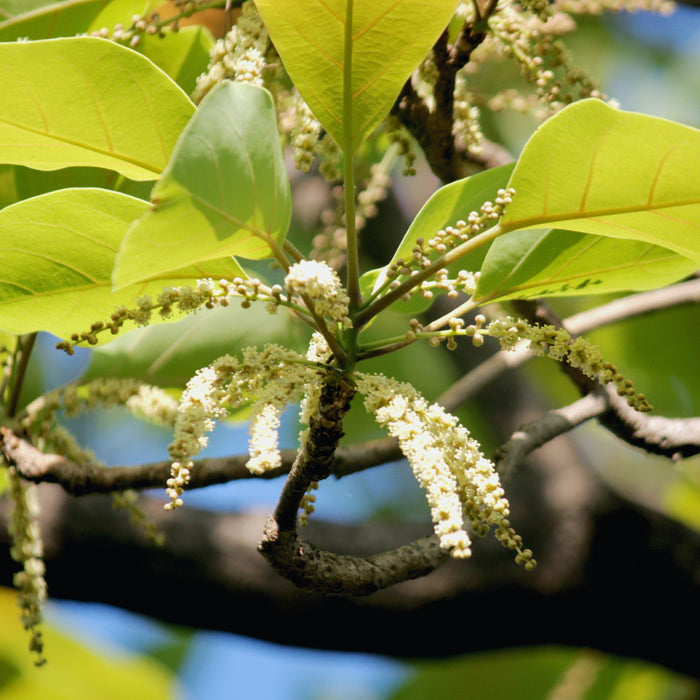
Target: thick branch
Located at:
point(209, 575)
point(82, 479)
point(432, 129)
point(669, 437)
point(545, 428)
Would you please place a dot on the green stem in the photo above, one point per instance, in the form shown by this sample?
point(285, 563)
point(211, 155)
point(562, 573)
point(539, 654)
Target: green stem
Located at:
point(462, 309)
point(353, 266)
point(20, 361)
point(378, 305)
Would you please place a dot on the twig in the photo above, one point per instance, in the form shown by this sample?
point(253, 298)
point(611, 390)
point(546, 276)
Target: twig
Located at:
point(674, 438)
point(547, 427)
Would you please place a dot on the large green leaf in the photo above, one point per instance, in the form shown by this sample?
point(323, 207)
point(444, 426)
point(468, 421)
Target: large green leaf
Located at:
point(599, 170)
point(36, 19)
point(58, 252)
point(444, 208)
point(349, 59)
point(92, 102)
point(531, 264)
point(225, 191)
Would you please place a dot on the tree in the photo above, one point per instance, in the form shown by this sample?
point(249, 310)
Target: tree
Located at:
point(599, 201)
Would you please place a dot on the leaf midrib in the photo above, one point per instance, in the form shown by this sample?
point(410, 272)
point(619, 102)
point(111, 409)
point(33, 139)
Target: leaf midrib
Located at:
point(533, 221)
point(90, 148)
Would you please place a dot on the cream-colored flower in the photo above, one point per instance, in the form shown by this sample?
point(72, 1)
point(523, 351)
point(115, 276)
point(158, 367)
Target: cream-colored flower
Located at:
point(459, 482)
point(27, 549)
point(321, 283)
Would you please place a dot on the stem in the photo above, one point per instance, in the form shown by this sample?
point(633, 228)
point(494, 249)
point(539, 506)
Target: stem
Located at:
point(353, 266)
point(384, 349)
point(20, 361)
point(447, 258)
point(293, 251)
point(455, 313)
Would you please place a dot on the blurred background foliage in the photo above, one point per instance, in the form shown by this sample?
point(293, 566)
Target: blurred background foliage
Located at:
point(649, 64)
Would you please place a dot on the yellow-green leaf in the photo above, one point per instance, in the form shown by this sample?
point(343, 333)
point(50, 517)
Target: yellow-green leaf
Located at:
point(87, 101)
point(58, 251)
point(599, 170)
point(225, 191)
point(555, 263)
point(349, 59)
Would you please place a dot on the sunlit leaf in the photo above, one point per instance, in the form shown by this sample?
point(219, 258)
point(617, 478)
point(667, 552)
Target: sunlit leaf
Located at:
point(444, 208)
point(183, 55)
point(531, 264)
point(30, 19)
point(341, 58)
point(599, 170)
point(225, 191)
point(58, 252)
point(73, 670)
point(125, 114)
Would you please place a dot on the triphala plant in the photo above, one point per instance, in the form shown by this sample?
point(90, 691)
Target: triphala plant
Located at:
point(593, 180)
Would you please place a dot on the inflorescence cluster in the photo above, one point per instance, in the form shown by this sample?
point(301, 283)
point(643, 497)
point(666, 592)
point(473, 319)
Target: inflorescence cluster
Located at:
point(461, 485)
point(266, 379)
point(543, 341)
point(27, 549)
point(239, 56)
point(425, 253)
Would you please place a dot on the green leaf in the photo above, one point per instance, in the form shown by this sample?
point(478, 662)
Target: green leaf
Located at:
point(121, 12)
point(225, 191)
point(599, 170)
point(533, 673)
point(340, 55)
point(531, 264)
point(93, 103)
point(444, 208)
point(45, 20)
point(73, 670)
point(58, 252)
point(11, 8)
point(183, 55)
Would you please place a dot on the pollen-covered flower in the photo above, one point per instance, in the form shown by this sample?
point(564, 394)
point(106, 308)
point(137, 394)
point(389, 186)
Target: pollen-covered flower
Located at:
point(558, 344)
point(320, 282)
point(27, 549)
point(270, 379)
point(239, 56)
point(460, 483)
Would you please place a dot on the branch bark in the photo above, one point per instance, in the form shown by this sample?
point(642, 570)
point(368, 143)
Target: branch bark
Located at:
point(626, 578)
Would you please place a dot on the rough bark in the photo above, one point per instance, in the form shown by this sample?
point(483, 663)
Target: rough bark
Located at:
point(612, 575)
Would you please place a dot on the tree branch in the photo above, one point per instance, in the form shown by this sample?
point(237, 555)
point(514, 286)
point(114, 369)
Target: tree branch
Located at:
point(675, 436)
point(209, 575)
point(432, 129)
point(547, 427)
point(669, 437)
